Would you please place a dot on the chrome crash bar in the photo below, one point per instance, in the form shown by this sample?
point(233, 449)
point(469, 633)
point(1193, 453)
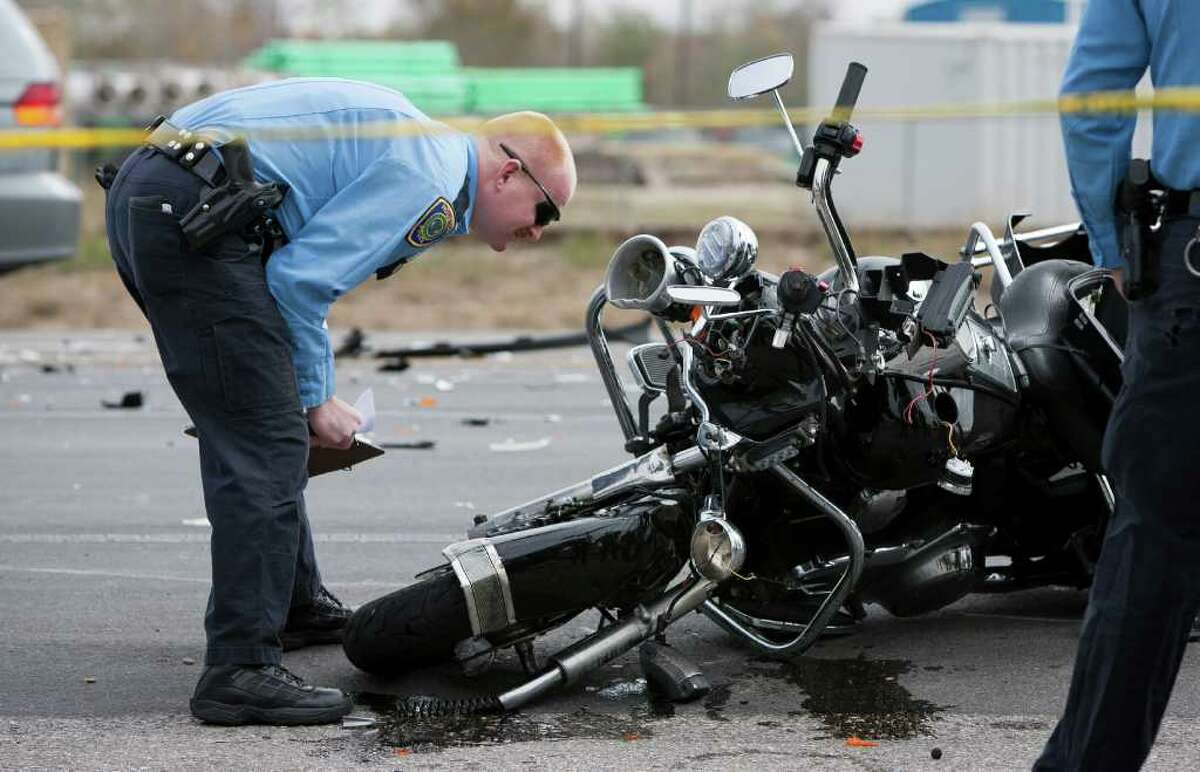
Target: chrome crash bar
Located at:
point(604, 363)
point(837, 596)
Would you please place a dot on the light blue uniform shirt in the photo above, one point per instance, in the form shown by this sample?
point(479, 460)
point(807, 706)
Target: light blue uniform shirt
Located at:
point(359, 201)
point(1117, 40)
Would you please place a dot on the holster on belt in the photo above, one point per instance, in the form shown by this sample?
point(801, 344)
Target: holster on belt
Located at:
point(236, 205)
point(1139, 206)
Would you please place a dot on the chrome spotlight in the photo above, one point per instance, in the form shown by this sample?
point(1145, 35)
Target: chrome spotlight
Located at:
point(718, 549)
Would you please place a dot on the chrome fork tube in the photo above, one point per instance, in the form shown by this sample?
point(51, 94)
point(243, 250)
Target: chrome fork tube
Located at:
point(832, 602)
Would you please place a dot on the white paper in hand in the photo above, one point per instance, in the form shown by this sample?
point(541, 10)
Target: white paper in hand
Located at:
point(365, 405)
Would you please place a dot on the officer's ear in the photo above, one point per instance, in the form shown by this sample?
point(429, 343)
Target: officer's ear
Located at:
point(508, 169)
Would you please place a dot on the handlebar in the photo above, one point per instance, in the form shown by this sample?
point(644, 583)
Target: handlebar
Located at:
point(848, 95)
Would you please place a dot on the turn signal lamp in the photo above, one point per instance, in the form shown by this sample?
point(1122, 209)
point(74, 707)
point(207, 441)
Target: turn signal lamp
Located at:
point(38, 105)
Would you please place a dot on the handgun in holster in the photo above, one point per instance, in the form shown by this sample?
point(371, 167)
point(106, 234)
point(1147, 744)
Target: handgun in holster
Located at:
point(1138, 208)
point(235, 206)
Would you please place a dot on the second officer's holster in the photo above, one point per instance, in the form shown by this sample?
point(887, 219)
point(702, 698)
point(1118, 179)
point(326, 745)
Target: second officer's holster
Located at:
point(1142, 202)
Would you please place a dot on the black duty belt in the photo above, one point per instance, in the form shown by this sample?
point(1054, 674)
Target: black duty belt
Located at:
point(191, 150)
point(1181, 202)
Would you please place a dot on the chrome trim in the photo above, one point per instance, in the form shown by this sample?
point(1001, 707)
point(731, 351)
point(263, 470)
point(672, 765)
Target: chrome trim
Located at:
point(837, 596)
point(1106, 489)
point(655, 469)
point(608, 643)
point(981, 232)
point(640, 371)
point(1085, 282)
point(604, 363)
point(821, 200)
point(1054, 233)
point(787, 120)
point(484, 583)
point(689, 358)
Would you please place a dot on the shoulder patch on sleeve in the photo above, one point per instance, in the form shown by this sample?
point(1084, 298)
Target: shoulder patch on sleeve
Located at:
point(438, 220)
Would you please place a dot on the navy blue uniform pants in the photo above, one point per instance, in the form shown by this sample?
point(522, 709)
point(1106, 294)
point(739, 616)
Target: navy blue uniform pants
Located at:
point(227, 354)
point(1146, 588)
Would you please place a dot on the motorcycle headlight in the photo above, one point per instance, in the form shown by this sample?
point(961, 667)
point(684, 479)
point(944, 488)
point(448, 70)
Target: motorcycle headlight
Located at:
point(726, 249)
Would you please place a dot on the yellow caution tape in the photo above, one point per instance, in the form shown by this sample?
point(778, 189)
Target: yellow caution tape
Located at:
point(1106, 102)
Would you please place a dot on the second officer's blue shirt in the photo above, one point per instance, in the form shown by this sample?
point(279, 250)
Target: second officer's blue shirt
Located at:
point(1117, 40)
point(373, 183)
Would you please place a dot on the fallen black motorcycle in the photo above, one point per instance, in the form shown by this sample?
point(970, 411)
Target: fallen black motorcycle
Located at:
point(866, 435)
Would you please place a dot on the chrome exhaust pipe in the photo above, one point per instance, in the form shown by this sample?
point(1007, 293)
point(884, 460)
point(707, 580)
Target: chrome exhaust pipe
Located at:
point(570, 664)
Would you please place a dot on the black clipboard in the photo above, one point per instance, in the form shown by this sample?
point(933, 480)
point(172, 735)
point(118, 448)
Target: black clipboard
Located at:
point(322, 460)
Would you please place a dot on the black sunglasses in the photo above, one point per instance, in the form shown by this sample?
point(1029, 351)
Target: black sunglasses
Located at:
point(546, 211)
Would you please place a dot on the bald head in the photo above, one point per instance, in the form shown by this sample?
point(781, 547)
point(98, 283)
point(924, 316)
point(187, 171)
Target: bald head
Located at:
point(507, 190)
point(540, 143)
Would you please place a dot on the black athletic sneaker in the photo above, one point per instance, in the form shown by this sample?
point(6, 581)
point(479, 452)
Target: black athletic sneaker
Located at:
point(264, 694)
point(322, 621)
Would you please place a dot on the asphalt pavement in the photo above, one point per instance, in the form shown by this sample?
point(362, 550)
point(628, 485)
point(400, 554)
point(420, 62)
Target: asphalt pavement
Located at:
point(104, 574)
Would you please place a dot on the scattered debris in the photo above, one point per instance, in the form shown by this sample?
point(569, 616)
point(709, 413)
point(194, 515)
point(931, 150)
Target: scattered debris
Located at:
point(29, 356)
point(858, 742)
point(476, 421)
point(197, 522)
point(427, 402)
point(554, 418)
point(395, 366)
point(359, 722)
point(352, 345)
point(89, 679)
point(442, 384)
point(513, 446)
point(417, 445)
point(189, 661)
point(631, 736)
point(130, 401)
point(935, 754)
point(634, 333)
point(52, 368)
point(464, 504)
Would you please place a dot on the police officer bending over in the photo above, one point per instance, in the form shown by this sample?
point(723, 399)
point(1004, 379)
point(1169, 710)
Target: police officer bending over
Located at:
point(1147, 582)
point(335, 181)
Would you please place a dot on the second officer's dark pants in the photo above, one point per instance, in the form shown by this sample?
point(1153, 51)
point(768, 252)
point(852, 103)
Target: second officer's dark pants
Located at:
point(227, 355)
point(1147, 582)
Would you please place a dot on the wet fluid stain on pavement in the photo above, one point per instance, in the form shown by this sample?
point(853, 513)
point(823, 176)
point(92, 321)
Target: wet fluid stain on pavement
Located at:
point(429, 733)
point(856, 697)
point(852, 697)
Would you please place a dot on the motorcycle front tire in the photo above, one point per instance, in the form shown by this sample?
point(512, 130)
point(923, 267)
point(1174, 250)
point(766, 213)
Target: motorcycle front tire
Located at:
point(414, 626)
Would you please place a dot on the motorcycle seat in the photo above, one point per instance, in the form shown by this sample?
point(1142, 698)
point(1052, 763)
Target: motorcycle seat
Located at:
point(1037, 309)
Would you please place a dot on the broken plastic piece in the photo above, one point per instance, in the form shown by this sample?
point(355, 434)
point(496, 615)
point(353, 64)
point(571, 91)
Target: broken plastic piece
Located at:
point(352, 345)
point(358, 722)
point(476, 421)
point(418, 445)
point(130, 400)
point(513, 446)
point(858, 742)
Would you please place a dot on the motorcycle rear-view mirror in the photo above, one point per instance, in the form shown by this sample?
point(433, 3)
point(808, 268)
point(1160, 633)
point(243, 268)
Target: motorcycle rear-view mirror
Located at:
point(760, 76)
point(703, 296)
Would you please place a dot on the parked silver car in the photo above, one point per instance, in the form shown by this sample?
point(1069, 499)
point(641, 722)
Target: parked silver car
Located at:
point(39, 208)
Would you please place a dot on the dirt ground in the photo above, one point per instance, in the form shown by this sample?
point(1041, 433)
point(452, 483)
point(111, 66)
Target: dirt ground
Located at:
point(463, 285)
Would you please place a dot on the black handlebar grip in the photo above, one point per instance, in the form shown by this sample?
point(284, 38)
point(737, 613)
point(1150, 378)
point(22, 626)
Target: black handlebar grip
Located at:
point(848, 97)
